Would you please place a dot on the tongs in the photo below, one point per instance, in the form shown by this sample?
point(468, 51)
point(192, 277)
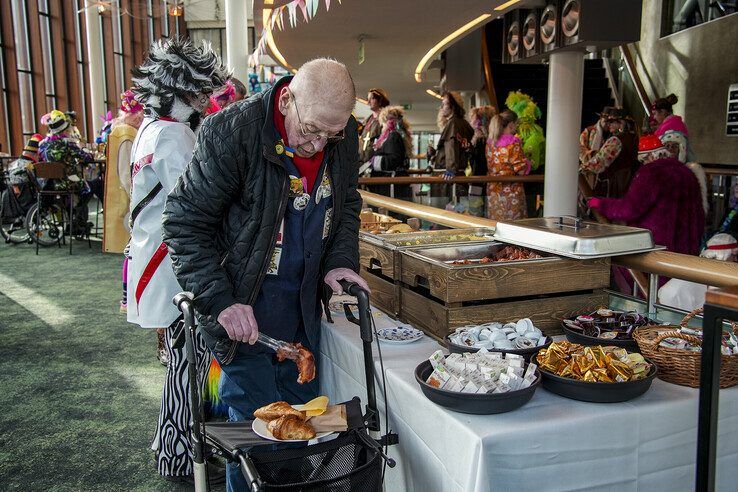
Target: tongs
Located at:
point(277, 345)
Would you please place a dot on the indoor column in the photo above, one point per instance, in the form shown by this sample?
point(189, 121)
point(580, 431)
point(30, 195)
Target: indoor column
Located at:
point(564, 119)
point(237, 43)
point(95, 68)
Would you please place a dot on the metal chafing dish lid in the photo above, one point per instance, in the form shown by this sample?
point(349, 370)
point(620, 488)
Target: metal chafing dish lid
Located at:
point(428, 238)
point(574, 237)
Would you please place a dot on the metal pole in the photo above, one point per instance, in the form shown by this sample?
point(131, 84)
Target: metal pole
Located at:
point(95, 68)
point(653, 292)
point(712, 330)
point(565, 89)
point(237, 28)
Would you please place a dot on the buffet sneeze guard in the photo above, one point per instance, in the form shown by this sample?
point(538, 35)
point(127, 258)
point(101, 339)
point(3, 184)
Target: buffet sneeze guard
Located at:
point(575, 238)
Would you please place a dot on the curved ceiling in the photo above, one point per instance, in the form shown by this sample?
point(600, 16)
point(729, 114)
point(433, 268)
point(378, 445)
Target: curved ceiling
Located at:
point(397, 36)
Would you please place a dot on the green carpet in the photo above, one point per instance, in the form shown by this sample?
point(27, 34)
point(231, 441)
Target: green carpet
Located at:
point(79, 387)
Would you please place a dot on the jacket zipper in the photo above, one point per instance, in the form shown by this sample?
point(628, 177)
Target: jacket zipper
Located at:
point(257, 286)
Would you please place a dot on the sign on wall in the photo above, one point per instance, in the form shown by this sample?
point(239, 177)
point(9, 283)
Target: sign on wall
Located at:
point(731, 121)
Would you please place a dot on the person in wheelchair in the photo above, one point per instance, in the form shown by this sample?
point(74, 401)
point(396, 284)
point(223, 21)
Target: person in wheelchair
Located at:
point(61, 146)
point(19, 196)
point(263, 224)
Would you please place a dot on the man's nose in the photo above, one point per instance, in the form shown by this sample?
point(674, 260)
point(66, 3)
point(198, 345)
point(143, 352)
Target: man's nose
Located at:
point(319, 144)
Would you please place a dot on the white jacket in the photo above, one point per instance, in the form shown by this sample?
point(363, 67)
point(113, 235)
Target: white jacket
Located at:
point(161, 152)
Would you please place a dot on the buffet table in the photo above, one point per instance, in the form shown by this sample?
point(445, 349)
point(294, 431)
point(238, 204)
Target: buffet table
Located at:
point(552, 443)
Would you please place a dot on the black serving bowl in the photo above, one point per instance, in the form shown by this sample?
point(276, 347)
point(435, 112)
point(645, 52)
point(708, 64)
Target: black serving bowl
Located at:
point(526, 353)
point(478, 404)
point(576, 337)
point(598, 392)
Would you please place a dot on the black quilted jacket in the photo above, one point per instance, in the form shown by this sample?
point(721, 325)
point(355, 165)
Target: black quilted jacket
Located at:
point(221, 219)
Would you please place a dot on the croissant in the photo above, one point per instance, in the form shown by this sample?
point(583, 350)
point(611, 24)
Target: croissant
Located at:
point(277, 409)
point(290, 427)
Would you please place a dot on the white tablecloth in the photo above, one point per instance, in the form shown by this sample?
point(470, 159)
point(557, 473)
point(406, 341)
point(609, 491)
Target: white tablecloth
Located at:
point(551, 443)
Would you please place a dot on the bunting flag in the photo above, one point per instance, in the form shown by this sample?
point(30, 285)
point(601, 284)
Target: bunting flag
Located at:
point(303, 8)
point(292, 13)
point(312, 6)
point(309, 9)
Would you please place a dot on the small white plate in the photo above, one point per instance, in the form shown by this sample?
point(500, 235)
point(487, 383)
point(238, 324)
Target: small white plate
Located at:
point(399, 335)
point(260, 429)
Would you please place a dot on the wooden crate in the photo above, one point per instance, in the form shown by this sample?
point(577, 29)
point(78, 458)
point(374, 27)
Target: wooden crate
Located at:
point(386, 293)
point(438, 319)
point(376, 257)
point(496, 280)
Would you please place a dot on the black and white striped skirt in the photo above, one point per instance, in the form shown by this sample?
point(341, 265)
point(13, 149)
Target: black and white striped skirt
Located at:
point(172, 440)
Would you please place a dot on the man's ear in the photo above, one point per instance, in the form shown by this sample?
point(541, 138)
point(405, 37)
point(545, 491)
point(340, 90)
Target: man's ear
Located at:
point(283, 101)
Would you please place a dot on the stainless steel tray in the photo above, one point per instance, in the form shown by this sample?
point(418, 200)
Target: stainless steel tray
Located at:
point(575, 238)
point(443, 256)
point(429, 238)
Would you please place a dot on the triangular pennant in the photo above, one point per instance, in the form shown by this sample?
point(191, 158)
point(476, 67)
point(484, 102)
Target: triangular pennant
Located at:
point(280, 18)
point(292, 13)
point(312, 6)
point(303, 8)
point(327, 5)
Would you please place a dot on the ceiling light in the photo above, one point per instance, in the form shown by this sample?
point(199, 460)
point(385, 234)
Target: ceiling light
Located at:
point(506, 5)
point(433, 93)
point(445, 42)
point(570, 18)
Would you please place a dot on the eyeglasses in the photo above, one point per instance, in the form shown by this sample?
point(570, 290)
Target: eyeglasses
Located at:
point(313, 136)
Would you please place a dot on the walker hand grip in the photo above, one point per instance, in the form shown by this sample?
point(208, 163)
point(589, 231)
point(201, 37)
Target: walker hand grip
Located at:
point(183, 301)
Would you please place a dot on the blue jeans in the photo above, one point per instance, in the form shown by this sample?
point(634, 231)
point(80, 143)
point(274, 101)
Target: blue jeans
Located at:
point(253, 380)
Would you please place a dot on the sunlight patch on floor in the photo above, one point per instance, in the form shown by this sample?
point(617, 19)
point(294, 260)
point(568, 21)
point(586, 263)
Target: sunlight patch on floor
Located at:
point(40, 306)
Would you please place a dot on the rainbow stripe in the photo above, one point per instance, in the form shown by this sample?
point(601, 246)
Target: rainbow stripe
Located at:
point(214, 407)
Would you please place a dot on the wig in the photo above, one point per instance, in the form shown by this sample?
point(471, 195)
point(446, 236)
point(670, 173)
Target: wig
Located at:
point(174, 73)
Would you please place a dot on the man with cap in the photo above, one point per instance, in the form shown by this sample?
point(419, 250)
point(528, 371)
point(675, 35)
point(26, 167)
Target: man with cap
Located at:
point(377, 99)
point(592, 137)
point(16, 207)
point(263, 223)
point(664, 198)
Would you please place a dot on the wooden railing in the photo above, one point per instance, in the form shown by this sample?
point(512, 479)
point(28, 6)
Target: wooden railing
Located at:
point(674, 265)
point(404, 180)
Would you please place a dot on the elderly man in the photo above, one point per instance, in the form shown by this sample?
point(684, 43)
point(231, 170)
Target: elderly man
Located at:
point(265, 213)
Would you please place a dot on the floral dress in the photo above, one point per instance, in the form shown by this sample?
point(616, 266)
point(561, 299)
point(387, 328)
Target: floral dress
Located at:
point(506, 201)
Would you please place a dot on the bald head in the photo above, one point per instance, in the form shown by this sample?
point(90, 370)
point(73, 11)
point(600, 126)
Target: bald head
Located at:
point(325, 82)
point(317, 104)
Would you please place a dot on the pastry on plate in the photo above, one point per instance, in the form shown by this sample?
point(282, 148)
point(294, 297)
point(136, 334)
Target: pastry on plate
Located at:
point(276, 410)
point(289, 428)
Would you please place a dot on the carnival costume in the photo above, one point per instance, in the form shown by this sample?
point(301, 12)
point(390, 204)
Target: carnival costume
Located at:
point(175, 76)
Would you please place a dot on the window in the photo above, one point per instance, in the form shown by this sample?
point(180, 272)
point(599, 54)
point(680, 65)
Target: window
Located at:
point(120, 76)
point(23, 67)
point(80, 62)
point(678, 15)
point(4, 95)
point(48, 51)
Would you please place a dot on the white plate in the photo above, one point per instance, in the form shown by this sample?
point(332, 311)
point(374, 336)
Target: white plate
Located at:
point(399, 335)
point(260, 429)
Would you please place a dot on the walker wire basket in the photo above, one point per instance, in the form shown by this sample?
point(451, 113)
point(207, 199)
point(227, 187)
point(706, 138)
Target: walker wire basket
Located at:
point(347, 462)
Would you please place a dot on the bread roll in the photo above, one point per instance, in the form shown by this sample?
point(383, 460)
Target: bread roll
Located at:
point(290, 427)
point(276, 410)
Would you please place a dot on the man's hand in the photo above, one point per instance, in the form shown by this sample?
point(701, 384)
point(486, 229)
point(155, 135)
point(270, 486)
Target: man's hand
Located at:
point(337, 274)
point(239, 322)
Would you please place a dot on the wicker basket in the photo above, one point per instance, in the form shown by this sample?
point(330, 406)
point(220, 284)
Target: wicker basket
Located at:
point(681, 366)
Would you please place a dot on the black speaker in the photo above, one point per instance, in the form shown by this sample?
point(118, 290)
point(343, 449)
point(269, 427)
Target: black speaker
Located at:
point(512, 46)
point(530, 33)
point(599, 23)
point(549, 31)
